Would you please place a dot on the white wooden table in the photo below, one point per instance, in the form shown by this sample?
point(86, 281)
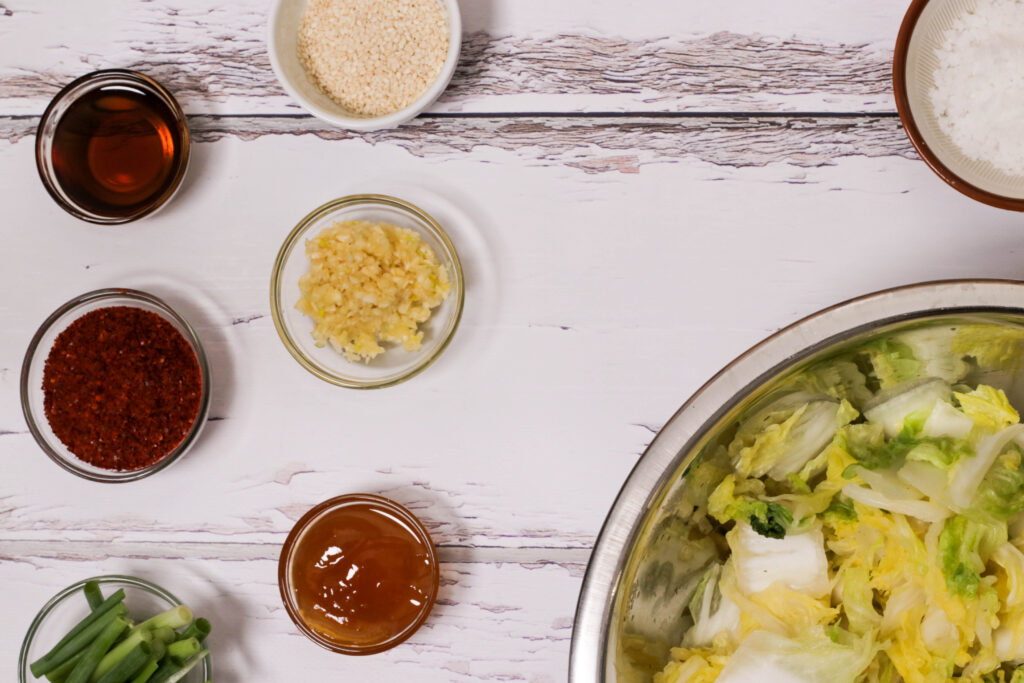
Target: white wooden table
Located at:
point(638, 191)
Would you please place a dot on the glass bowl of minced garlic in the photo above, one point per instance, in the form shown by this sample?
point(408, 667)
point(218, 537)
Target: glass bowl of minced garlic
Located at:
point(367, 291)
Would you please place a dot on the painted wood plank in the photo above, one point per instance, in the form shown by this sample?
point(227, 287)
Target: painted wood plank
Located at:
point(597, 302)
point(517, 55)
point(505, 621)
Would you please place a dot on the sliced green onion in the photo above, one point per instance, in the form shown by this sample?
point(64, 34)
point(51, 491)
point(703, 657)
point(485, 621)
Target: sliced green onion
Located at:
point(167, 669)
point(119, 652)
point(176, 617)
point(165, 634)
point(97, 648)
point(64, 670)
point(199, 629)
point(148, 670)
point(47, 662)
point(183, 649)
point(158, 649)
point(188, 667)
point(93, 594)
point(69, 647)
point(129, 665)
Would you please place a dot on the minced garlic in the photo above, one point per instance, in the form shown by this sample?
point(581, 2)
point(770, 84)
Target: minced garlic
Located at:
point(370, 283)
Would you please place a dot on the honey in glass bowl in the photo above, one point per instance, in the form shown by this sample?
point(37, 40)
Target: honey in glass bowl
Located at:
point(358, 574)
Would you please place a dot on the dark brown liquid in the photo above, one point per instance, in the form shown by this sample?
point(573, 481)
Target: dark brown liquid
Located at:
point(116, 150)
point(360, 576)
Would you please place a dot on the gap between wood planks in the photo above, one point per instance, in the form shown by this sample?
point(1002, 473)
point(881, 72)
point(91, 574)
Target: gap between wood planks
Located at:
point(689, 114)
point(609, 143)
point(23, 550)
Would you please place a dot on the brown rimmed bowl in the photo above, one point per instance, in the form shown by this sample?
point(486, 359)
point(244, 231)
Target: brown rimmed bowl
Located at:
point(309, 520)
point(32, 380)
point(914, 64)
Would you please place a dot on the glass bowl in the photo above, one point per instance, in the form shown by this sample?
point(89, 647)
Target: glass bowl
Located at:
point(295, 328)
point(113, 79)
point(65, 609)
point(32, 380)
point(380, 505)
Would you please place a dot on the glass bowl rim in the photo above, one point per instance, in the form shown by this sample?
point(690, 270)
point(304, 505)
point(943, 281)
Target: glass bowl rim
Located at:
point(62, 595)
point(97, 79)
point(166, 311)
point(284, 565)
point(292, 240)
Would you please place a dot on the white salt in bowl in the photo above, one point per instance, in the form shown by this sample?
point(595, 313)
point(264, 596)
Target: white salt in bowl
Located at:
point(282, 46)
point(915, 62)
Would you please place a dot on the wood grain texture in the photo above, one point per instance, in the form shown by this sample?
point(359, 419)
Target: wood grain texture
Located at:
point(614, 261)
point(482, 616)
point(597, 302)
point(722, 72)
point(214, 60)
point(592, 145)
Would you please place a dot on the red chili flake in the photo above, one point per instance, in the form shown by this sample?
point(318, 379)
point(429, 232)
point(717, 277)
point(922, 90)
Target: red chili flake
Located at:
point(121, 388)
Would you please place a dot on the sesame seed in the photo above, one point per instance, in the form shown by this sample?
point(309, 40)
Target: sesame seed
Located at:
point(373, 57)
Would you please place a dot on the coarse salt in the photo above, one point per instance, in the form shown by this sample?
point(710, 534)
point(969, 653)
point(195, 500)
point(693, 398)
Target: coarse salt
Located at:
point(978, 97)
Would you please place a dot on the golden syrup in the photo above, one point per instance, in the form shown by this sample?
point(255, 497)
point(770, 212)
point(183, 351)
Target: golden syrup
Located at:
point(360, 575)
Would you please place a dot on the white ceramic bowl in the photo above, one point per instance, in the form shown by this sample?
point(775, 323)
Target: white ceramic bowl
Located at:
point(282, 38)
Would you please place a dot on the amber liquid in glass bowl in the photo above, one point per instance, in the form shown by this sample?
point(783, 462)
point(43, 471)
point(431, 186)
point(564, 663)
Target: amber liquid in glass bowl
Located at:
point(116, 149)
point(361, 575)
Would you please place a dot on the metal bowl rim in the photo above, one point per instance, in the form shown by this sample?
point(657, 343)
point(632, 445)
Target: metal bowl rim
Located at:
point(673, 444)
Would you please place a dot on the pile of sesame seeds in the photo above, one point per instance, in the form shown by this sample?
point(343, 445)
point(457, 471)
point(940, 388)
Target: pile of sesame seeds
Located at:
point(373, 57)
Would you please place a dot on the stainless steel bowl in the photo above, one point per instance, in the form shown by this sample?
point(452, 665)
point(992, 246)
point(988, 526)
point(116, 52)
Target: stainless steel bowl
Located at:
point(604, 617)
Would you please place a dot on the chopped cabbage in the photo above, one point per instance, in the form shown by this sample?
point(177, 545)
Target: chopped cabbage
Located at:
point(796, 561)
point(713, 613)
point(812, 657)
point(988, 408)
point(887, 483)
point(923, 510)
point(933, 348)
point(964, 548)
point(780, 439)
point(992, 346)
point(1001, 493)
point(869, 446)
point(892, 408)
point(937, 631)
point(881, 546)
point(892, 362)
point(839, 378)
point(946, 420)
point(767, 518)
point(858, 600)
point(970, 472)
